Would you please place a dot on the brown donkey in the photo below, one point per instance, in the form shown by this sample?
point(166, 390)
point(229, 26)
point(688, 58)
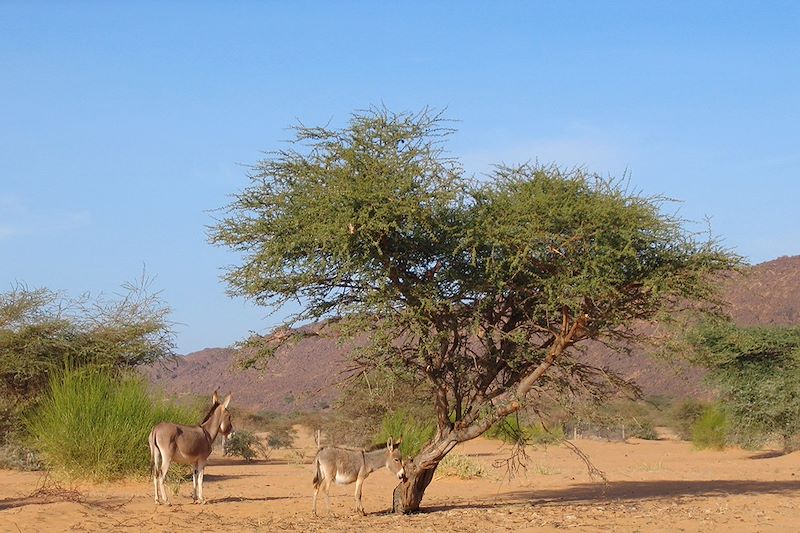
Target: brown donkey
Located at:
point(346, 465)
point(188, 445)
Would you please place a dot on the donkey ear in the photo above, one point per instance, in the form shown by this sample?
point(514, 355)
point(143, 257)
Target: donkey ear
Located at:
point(390, 443)
point(398, 442)
point(215, 397)
point(226, 401)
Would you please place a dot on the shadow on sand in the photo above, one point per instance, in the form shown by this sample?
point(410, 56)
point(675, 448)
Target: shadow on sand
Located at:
point(631, 491)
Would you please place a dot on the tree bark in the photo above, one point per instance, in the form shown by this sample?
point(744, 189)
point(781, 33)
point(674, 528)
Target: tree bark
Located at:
point(408, 494)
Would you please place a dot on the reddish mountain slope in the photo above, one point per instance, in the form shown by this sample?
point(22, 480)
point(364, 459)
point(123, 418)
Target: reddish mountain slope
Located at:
point(303, 377)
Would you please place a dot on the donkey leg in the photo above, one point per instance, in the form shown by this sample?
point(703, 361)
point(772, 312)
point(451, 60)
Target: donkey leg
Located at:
point(327, 489)
point(200, 468)
point(162, 478)
point(359, 505)
point(155, 488)
point(314, 501)
point(155, 460)
point(194, 484)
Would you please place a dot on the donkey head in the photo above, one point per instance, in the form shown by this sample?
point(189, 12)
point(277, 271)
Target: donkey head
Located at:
point(394, 461)
point(225, 421)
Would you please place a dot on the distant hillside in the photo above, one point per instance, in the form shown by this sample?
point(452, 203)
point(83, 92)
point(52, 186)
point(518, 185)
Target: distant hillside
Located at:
point(767, 294)
point(304, 376)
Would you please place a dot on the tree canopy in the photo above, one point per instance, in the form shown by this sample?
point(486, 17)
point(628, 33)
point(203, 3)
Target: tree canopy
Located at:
point(757, 372)
point(483, 287)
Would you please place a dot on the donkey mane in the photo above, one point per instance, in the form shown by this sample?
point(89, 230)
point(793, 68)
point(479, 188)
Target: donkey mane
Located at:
point(210, 412)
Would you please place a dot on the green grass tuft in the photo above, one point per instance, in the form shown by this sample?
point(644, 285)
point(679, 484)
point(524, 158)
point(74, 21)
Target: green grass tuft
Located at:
point(414, 432)
point(94, 425)
point(711, 429)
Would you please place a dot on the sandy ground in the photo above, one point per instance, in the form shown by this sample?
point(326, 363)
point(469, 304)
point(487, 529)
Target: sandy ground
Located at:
point(652, 486)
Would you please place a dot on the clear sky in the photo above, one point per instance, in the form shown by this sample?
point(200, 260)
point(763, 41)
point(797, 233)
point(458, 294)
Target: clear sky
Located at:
point(123, 124)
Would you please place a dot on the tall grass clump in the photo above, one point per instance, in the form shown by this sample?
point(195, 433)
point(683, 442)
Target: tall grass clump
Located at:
point(94, 424)
point(711, 429)
point(415, 432)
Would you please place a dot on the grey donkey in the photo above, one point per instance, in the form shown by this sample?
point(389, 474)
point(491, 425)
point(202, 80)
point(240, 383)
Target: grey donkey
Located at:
point(188, 445)
point(347, 465)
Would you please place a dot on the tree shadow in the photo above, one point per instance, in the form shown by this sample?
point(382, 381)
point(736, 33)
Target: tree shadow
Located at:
point(11, 503)
point(232, 499)
point(768, 454)
point(224, 477)
point(631, 491)
point(23, 501)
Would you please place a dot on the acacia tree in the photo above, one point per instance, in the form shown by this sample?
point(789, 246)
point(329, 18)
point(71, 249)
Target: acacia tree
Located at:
point(482, 288)
point(757, 371)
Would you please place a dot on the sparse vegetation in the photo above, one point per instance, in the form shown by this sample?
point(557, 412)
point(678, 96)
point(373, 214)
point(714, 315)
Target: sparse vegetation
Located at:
point(460, 466)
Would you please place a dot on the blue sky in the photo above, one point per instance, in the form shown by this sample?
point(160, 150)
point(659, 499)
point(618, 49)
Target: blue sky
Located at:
point(123, 125)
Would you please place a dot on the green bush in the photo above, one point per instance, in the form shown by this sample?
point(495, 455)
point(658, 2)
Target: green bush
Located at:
point(94, 424)
point(245, 445)
point(711, 429)
point(414, 432)
point(685, 415)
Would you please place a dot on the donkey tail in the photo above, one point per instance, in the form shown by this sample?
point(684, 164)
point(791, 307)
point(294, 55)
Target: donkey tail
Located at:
point(155, 454)
point(317, 473)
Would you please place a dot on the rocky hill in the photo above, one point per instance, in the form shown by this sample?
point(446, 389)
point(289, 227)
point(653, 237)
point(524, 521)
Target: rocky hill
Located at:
point(304, 376)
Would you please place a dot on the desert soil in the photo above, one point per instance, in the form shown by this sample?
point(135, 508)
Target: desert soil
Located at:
point(652, 486)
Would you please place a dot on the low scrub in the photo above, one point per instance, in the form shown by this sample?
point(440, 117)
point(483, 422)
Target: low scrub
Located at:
point(711, 429)
point(460, 466)
point(246, 445)
point(93, 424)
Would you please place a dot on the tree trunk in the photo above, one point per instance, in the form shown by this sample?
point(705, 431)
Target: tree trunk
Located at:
point(408, 494)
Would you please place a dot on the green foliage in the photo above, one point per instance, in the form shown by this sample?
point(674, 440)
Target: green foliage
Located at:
point(711, 429)
point(415, 432)
point(511, 430)
point(684, 416)
point(245, 445)
point(757, 371)
point(475, 288)
point(41, 332)
point(93, 424)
